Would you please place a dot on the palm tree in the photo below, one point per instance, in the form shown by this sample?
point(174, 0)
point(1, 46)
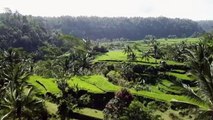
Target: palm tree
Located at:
point(155, 50)
point(200, 61)
point(21, 104)
point(130, 53)
point(146, 56)
point(14, 67)
point(17, 102)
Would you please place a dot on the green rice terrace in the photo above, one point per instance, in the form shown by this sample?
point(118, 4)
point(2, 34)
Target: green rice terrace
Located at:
point(48, 75)
point(106, 60)
point(162, 84)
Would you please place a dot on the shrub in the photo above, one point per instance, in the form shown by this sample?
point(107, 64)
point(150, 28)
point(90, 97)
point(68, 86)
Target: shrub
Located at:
point(117, 105)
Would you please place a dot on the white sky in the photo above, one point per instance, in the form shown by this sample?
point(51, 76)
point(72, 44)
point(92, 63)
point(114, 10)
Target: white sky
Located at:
point(192, 9)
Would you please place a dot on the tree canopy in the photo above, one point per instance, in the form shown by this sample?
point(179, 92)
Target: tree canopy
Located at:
point(122, 27)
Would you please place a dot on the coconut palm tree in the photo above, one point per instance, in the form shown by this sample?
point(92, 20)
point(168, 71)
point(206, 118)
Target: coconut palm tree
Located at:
point(200, 61)
point(14, 67)
point(17, 96)
point(130, 53)
point(21, 104)
point(146, 56)
point(155, 47)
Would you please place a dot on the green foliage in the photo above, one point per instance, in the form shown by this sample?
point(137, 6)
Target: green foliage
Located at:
point(14, 67)
point(74, 63)
point(20, 104)
point(18, 100)
point(49, 51)
point(130, 53)
point(73, 43)
point(20, 31)
point(200, 60)
point(138, 111)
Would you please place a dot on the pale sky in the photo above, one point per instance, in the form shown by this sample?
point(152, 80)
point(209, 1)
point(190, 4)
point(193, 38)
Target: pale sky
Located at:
point(192, 9)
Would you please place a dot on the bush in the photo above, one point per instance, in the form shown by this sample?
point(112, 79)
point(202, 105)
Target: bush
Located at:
point(117, 105)
point(98, 49)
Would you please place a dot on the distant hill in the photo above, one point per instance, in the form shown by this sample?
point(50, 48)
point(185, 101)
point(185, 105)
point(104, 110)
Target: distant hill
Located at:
point(207, 25)
point(122, 27)
point(19, 31)
point(31, 32)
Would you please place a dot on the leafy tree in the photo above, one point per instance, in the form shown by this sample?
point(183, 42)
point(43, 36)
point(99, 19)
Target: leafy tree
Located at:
point(21, 31)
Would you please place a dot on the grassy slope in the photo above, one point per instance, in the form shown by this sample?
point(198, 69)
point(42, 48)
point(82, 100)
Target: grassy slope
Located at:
point(178, 40)
point(120, 56)
point(101, 83)
point(84, 85)
point(169, 98)
point(179, 76)
point(49, 83)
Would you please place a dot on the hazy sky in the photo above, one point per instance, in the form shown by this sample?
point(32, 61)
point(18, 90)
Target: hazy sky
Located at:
point(192, 9)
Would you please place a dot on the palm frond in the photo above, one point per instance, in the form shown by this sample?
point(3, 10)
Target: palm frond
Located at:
point(6, 115)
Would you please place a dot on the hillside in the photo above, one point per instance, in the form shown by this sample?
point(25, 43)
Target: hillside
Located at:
point(122, 27)
point(207, 25)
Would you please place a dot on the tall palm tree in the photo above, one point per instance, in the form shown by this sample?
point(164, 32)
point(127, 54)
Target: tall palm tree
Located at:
point(18, 98)
point(146, 56)
point(21, 104)
point(130, 53)
point(155, 50)
point(14, 67)
point(200, 61)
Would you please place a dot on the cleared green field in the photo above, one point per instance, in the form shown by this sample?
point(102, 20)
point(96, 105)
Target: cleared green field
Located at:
point(170, 98)
point(49, 83)
point(144, 46)
point(180, 76)
point(98, 81)
point(118, 55)
point(93, 84)
point(76, 82)
point(178, 40)
point(112, 55)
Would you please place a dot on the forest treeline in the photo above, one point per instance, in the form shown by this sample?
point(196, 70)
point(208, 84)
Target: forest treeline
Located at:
point(134, 28)
point(207, 25)
point(19, 31)
point(31, 33)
